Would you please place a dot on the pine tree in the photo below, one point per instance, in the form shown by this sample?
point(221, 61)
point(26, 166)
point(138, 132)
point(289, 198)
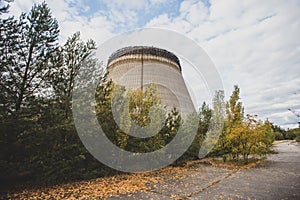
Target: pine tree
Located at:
point(215, 126)
point(68, 60)
point(27, 45)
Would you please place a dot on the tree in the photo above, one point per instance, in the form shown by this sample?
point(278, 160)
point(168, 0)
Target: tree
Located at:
point(216, 124)
point(137, 112)
point(148, 117)
point(234, 108)
point(290, 135)
point(72, 56)
point(205, 115)
point(26, 47)
point(247, 134)
point(229, 141)
point(41, 146)
point(243, 135)
point(280, 133)
point(266, 138)
point(204, 119)
point(171, 126)
point(297, 134)
point(141, 103)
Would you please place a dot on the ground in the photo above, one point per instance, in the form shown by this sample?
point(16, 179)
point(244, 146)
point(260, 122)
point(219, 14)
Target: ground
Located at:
point(278, 177)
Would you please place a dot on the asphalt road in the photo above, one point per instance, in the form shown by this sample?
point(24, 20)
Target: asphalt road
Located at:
point(276, 178)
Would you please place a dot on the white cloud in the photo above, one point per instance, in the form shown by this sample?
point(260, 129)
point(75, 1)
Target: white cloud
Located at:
point(158, 1)
point(254, 44)
point(193, 11)
point(125, 4)
point(97, 27)
point(161, 20)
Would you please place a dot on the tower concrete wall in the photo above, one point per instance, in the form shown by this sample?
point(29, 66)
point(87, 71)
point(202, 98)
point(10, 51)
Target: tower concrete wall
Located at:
point(137, 67)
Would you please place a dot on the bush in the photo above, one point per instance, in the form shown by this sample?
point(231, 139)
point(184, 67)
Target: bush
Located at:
point(279, 136)
point(45, 155)
point(290, 135)
point(297, 134)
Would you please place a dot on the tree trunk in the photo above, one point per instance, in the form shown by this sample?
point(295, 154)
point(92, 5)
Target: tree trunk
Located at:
point(22, 89)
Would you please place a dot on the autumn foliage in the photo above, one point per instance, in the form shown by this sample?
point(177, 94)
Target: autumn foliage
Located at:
point(39, 142)
point(243, 135)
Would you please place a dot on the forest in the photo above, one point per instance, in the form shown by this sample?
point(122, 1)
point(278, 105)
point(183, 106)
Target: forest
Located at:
point(39, 142)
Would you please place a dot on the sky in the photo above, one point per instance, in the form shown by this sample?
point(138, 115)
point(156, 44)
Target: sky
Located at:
point(254, 44)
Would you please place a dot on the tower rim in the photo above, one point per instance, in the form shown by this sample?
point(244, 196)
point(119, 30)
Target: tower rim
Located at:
point(144, 50)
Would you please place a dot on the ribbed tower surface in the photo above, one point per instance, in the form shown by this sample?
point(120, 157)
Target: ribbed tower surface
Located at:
point(138, 66)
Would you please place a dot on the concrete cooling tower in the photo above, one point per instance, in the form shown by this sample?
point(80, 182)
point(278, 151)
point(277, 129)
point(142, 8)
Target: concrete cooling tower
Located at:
point(138, 66)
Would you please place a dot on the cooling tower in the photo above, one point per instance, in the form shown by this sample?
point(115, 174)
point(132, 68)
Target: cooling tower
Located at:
point(138, 66)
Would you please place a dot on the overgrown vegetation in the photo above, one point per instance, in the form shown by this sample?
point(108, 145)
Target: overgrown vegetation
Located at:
point(38, 139)
point(294, 134)
point(243, 135)
point(290, 134)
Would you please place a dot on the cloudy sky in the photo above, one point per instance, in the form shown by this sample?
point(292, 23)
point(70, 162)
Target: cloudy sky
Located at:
point(254, 44)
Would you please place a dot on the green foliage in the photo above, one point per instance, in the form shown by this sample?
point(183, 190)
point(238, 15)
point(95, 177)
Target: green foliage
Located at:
point(38, 140)
point(243, 135)
point(234, 108)
point(216, 124)
point(297, 134)
point(136, 112)
point(26, 46)
point(205, 115)
point(228, 142)
point(280, 134)
point(203, 119)
point(66, 62)
point(293, 134)
point(56, 154)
